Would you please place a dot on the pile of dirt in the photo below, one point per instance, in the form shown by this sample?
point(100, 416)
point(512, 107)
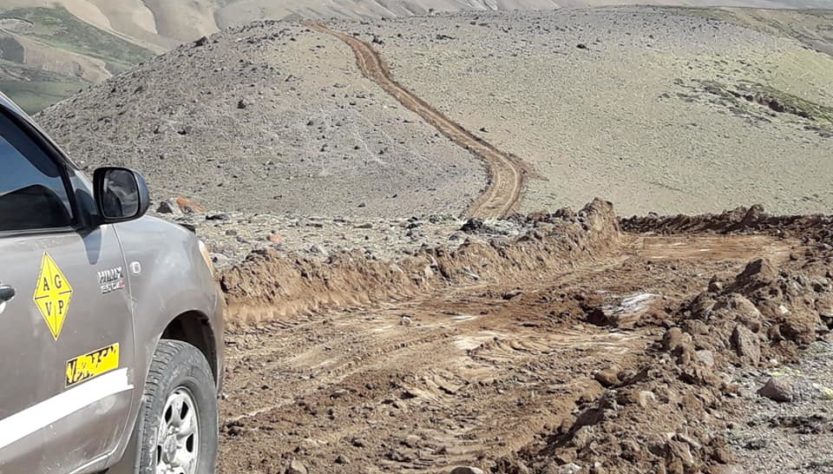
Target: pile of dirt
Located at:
point(741, 220)
point(571, 347)
point(667, 416)
point(270, 285)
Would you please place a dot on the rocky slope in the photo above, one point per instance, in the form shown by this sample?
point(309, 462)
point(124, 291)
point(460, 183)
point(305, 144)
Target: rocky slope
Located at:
point(268, 118)
point(80, 37)
point(276, 118)
point(659, 110)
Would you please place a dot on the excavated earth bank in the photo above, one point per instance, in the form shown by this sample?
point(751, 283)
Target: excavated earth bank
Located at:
point(588, 344)
point(269, 284)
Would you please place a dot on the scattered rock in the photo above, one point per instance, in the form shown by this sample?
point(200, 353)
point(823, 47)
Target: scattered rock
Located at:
point(317, 249)
point(705, 357)
point(472, 225)
point(777, 388)
point(674, 339)
point(742, 309)
point(512, 294)
point(466, 470)
point(608, 377)
point(220, 260)
point(296, 467)
point(569, 468)
point(220, 216)
point(169, 206)
point(746, 344)
point(397, 456)
point(756, 444)
point(758, 273)
point(188, 206)
point(824, 305)
point(646, 398)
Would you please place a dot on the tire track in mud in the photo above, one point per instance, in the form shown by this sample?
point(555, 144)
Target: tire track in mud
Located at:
point(469, 377)
point(507, 174)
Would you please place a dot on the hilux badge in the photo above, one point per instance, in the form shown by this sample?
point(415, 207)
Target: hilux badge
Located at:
point(111, 280)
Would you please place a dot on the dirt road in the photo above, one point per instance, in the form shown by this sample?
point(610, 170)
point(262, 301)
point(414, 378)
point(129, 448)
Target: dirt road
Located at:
point(460, 376)
point(507, 173)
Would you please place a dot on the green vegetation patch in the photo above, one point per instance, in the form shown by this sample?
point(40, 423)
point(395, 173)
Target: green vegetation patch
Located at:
point(35, 89)
point(783, 102)
point(775, 100)
point(59, 28)
point(762, 102)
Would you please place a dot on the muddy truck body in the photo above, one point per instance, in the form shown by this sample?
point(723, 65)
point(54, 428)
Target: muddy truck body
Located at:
point(110, 321)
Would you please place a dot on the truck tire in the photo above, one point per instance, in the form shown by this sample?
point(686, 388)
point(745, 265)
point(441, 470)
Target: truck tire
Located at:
point(177, 426)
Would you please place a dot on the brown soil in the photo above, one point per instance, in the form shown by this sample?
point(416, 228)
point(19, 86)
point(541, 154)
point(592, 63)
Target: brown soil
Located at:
point(573, 344)
point(507, 173)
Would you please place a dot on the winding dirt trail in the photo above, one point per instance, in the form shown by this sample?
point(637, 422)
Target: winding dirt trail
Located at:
point(507, 174)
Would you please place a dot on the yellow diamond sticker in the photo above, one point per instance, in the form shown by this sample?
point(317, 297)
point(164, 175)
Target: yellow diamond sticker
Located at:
point(52, 295)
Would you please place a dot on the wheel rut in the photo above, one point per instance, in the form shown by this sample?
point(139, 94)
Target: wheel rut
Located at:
point(507, 174)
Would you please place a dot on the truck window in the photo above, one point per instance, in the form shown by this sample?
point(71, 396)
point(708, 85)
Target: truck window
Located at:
point(32, 191)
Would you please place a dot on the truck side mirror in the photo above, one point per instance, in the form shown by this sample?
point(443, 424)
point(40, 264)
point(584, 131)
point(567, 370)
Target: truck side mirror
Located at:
point(120, 194)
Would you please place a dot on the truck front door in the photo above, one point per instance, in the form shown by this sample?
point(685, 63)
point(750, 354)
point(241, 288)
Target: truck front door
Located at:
point(66, 334)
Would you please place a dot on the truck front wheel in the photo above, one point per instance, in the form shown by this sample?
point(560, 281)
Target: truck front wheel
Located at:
point(178, 421)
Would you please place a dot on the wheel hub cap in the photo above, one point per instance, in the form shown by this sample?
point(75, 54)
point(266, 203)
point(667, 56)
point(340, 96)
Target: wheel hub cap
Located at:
point(178, 436)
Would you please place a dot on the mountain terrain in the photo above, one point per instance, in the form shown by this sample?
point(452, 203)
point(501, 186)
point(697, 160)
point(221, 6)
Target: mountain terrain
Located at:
point(657, 109)
point(50, 49)
point(395, 208)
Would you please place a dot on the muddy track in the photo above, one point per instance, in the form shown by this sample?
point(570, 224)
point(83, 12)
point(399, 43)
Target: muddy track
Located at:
point(462, 375)
point(507, 174)
point(574, 343)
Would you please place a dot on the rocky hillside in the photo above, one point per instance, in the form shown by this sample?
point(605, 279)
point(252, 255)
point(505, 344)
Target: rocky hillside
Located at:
point(268, 118)
point(51, 48)
point(655, 109)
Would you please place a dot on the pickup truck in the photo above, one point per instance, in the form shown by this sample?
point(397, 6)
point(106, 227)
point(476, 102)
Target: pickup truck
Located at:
point(111, 329)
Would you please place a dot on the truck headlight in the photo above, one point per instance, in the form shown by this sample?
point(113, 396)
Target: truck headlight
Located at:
point(206, 255)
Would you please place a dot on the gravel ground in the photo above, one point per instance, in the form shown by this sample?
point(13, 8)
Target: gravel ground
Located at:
point(570, 349)
point(268, 118)
point(232, 236)
point(616, 103)
point(797, 436)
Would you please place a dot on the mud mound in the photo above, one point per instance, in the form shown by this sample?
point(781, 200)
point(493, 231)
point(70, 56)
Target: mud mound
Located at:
point(547, 343)
point(736, 221)
point(269, 285)
point(665, 416)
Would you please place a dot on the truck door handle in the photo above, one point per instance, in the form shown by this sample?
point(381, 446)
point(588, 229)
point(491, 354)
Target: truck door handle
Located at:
point(6, 293)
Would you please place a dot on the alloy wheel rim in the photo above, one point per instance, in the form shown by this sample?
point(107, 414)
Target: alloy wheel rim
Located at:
point(177, 442)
